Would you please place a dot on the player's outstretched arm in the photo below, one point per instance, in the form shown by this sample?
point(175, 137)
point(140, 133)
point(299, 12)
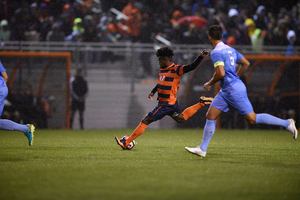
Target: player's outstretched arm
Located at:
point(196, 63)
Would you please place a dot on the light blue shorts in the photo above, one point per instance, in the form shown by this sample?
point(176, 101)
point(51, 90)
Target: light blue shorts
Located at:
point(3, 95)
point(235, 96)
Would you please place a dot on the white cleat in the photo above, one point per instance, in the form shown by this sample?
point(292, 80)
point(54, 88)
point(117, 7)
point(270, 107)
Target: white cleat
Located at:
point(196, 151)
point(292, 128)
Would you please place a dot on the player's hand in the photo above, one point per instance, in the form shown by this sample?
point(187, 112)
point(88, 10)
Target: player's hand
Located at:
point(150, 96)
point(207, 86)
point(204, 53)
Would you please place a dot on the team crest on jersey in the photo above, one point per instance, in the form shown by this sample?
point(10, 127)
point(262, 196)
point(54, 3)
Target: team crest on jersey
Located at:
point(162, 77)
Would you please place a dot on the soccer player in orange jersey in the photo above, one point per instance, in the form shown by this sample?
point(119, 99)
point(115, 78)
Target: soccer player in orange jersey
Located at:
point(167, 86)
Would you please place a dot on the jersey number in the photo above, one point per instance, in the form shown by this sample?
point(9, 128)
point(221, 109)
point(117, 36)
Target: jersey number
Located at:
point(231, 58)
point(162, 77)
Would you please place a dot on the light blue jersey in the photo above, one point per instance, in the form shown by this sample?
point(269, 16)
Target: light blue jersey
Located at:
point(227, 56)
point(233, 91)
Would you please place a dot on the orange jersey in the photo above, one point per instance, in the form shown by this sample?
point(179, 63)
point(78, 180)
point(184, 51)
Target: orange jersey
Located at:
point(168, 83)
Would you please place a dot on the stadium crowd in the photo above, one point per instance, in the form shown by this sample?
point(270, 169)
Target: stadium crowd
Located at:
point(252, 22)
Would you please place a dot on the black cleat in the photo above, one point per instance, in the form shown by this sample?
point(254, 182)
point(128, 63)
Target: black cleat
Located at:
point(205, 100)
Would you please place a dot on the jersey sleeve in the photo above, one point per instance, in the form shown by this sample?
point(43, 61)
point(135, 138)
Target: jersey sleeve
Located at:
point(216, 58)
point(180, 69)
point(239, 56)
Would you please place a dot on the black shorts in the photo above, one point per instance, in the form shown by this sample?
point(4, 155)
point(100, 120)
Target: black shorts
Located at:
point(163, 109)
point(77, 105)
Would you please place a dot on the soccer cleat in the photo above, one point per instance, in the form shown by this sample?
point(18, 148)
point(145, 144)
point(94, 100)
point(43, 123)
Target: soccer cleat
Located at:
point(29, 133)
point(196, 151)
point(121, 142)
point(205, 100)
point(292, 128)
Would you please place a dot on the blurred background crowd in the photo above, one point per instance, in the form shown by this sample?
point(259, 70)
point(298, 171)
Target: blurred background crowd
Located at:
point(252, 22)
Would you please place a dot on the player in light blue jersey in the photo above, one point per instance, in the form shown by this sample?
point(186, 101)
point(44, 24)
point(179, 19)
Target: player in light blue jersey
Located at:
point(9, 125)
point(233, 91)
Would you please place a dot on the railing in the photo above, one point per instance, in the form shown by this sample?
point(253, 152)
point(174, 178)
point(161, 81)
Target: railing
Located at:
point(123, 47)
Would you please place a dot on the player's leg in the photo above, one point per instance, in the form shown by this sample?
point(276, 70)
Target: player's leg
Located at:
point(28, 129)
point(210, 126)
point(218, 106)
point(190, 111)
point(208, 132)
point(139, 130)
point(264, 118)
point(243, 105)
point(157, 113)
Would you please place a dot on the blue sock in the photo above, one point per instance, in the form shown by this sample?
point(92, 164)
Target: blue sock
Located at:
point(12, 126)
point(209, 130)
point(264, 118)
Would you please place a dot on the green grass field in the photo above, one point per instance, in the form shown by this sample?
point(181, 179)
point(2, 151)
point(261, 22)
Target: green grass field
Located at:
point(65, 164)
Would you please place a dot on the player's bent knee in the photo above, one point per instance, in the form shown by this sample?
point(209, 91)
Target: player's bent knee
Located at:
point(251, 121)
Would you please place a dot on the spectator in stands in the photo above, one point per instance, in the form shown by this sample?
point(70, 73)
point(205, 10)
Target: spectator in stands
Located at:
point(32, 33)
point(78, 26)
point(118, 31)
point(55, 8)
point(130, 8)
point(291, 36)
point(134, 23)
point(46, 27)
point(147, 35)
point(20, 23)
point(77, 10)
point(67, 23)
point(34, 22)
point(260, 18)
point(55, 34)
point(4, 30)
point(176, 15)
point(280, 38)
point(269, 38)
point(91, 35)
point(257, 41)
point(28, 18)
point(79, 91)
point(232, 24)
point(251, 26)
point(43, 13)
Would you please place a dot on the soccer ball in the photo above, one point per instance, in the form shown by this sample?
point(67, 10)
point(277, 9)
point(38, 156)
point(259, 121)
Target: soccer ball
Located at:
point(131, 144)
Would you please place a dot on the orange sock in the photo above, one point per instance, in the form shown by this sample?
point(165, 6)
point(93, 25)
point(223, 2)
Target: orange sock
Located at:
point(136, 133)
point(190, 111)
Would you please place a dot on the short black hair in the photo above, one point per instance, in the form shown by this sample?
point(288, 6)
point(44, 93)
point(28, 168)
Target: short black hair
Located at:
point(165, 52)
point(215, 32)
